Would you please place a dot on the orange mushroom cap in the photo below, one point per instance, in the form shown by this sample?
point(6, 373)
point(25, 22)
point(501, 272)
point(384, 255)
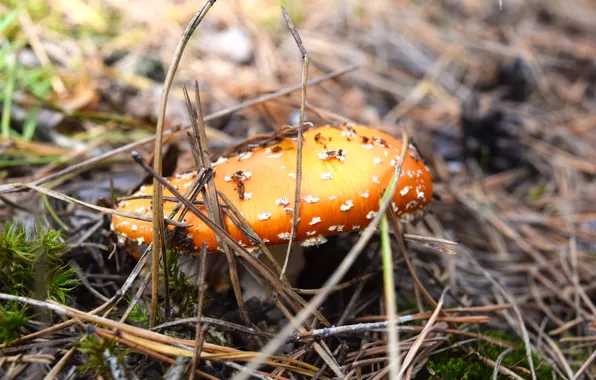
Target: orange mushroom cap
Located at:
point(345, 171)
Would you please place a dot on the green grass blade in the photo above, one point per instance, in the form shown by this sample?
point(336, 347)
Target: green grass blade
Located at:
point(8, 20)
point(11, 65)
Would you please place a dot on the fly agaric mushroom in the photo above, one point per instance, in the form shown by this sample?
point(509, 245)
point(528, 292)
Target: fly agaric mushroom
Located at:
point(345, 172)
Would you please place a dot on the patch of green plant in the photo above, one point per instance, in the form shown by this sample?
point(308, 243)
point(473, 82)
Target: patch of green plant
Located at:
point(446, 366)
point(61, 280)
point(12, 317)
point(20, 254)
point(457, 364)
point(139, 313)
point(183, 293)
point(516, 357)
point(105, 357)
point(35, 81)
point(536, 192)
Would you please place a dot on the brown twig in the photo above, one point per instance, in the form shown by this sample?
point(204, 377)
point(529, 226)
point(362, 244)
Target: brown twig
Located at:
point(158, 227)
point(296, 211)
point(199, 330)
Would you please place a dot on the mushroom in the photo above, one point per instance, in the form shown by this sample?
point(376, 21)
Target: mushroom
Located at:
point(345, 172)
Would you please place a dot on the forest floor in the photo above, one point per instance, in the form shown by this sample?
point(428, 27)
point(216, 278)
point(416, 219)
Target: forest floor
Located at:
point(498, 97)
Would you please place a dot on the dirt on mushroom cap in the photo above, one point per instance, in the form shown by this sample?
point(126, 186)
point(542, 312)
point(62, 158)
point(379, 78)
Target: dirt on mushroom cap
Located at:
point(345, 171)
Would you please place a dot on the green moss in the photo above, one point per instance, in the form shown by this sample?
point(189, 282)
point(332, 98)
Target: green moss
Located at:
point(105, 357)
point(12, 317)
point(445, 366)
point(21, 255)
point(61, 280)
point(457, 364)
point(138, 314)
point(182, 293)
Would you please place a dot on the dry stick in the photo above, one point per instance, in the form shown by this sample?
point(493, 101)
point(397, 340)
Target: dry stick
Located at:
point(212, 204)
point(404, 251)
point(250, 232)
point(345, 265)
point(216, 322)
point(585, 366)
point(146, 351)
point(499, 360)
point(126, 214)
point(199, 330)
point(390, 301)
point(410, 357)
point(305, 61)
point(522, 326)
point(58, 367)
point(158, 227)
point(377, 326)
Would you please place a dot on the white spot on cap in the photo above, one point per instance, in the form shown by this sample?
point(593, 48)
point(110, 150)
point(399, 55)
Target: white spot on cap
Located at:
point(355, 227)
point(340, 228)
point(315, 220)
point(377, 161)
point(332, 197)
point(245, 155)
point(367, 146)
point(326, 176)
point(140, 240)
point(284, 235)
point(264, 216)
point(283, 167)
point(292, 175)
point(276, 155)
point(365, 194)
point(404, 191)
point(329, 154)
point(346, 206)
point(411, 204)
point(134, 227)
point(348, 134)
point(219, 161)
point(282, 202)
point(228, 178)
point(332, 228)
point(310, 199)
point(375, 179)
point(317, 240)
point(311, 233)
point(247, 196)
point(371, 214)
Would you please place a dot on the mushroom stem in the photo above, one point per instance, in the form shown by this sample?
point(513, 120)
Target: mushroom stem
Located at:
point(250, 287)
